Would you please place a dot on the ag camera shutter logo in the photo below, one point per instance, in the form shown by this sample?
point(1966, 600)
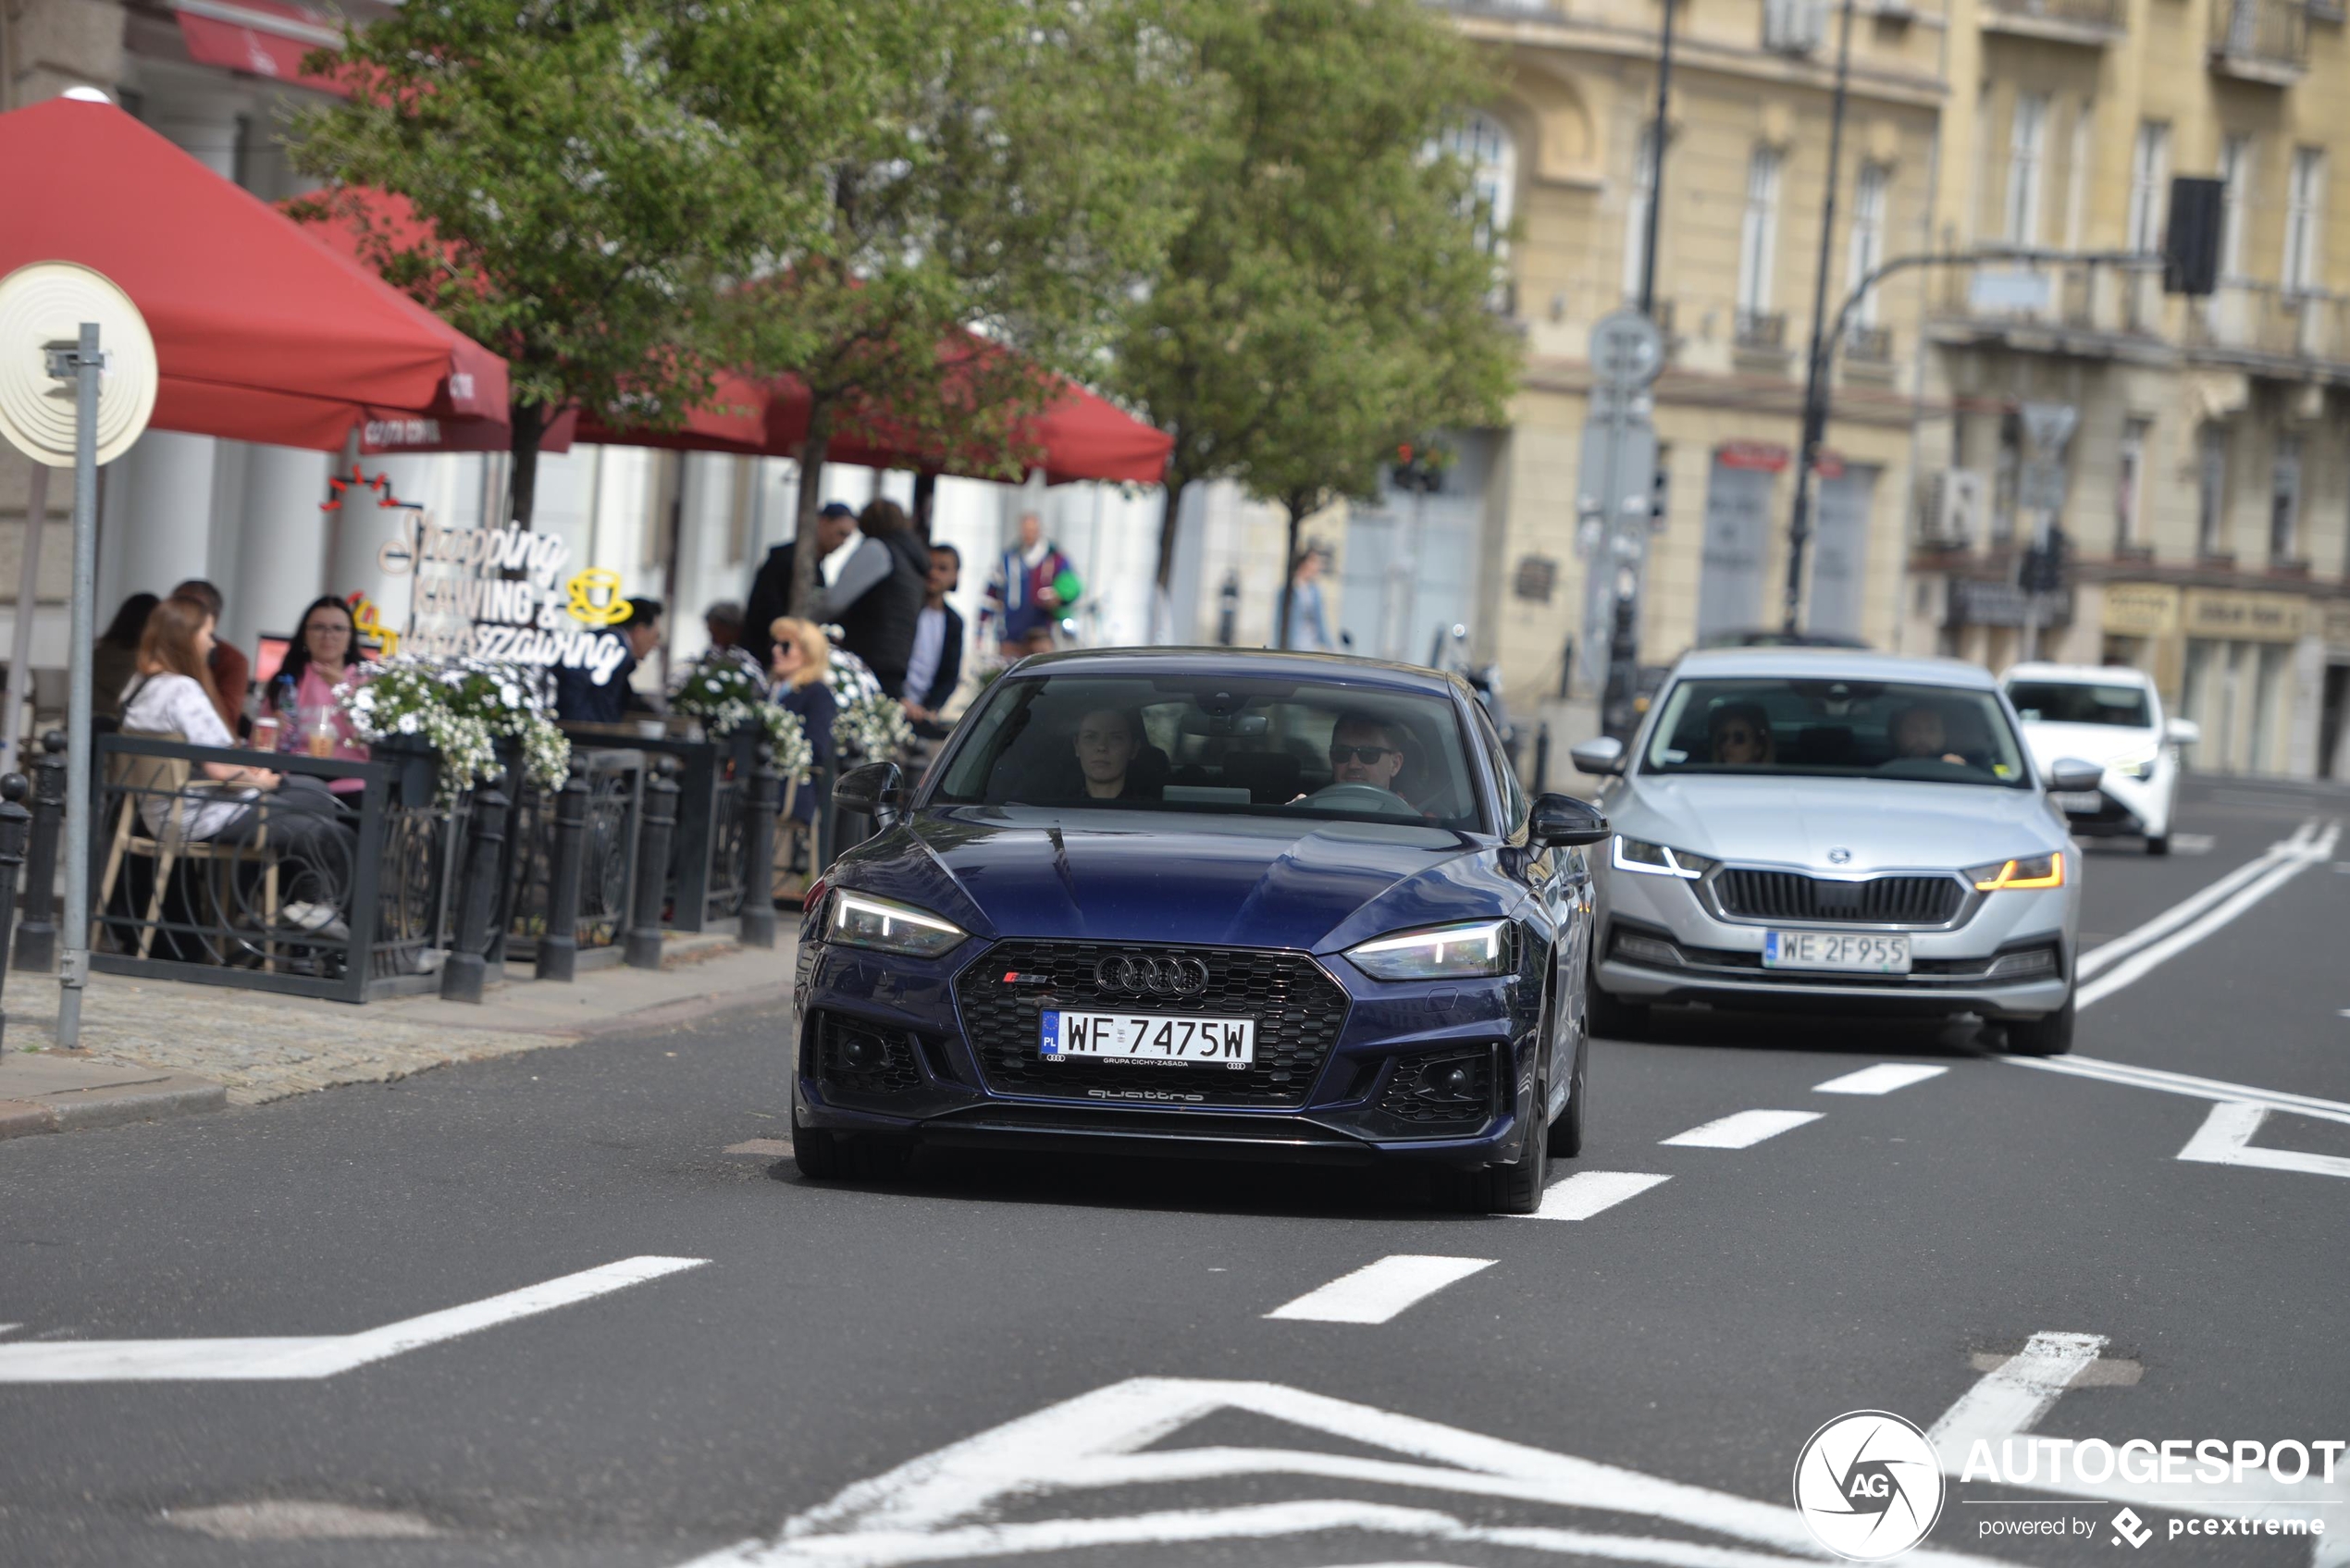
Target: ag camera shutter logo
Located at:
point(1869, 1486)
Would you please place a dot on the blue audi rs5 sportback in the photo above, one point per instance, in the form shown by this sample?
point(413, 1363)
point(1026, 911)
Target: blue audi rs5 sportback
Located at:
point(1206, 902)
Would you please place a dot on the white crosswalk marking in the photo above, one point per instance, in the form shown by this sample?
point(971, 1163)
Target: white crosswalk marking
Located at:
point(1587, 1192)
point(1740, 1131)
point(1376, 1293)
point(1881, 1079)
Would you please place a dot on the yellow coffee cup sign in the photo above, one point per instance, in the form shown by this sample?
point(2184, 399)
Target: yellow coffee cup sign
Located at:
point(595, 598)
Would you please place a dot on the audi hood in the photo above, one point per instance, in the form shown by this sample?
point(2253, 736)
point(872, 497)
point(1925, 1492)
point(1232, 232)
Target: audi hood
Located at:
point(1878, 824)
point(1161, 877)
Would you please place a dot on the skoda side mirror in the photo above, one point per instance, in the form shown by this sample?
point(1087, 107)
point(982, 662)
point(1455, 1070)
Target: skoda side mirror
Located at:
point(875, 790)
point(1604, 755)
point(1561, 821)
point(2069, 776)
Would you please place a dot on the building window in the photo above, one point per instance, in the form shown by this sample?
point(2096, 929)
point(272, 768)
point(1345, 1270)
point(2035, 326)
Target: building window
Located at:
point(1868, 236)
point(2211, 490)
point(2007, 473)
point(2149, 172)
point(2076, 181)
point(1759, 234)
point(2235, 202)
point(2303, 212)
point(2284, 501)
point(2027, 139)
point(1635, 212)
point(2129, 486)
point(1481, 142)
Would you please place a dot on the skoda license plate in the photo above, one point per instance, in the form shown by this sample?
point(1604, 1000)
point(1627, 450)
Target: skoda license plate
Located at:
point(1835, 950)
point(1149, 1038)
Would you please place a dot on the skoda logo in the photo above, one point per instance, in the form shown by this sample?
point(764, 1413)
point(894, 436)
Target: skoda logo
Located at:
point(1839, 857)
point(1151, 977)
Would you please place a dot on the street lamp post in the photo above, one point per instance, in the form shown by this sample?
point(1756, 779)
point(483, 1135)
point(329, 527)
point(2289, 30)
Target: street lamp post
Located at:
point(1815, 370)
point(1656, 165)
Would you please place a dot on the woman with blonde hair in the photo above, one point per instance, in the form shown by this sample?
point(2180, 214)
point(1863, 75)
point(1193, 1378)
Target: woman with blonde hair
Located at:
point(799, 663)
point(172, 693)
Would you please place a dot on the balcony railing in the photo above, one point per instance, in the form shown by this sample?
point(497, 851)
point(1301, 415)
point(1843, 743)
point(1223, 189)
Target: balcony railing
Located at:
point(1869, 345)
point(2090, 21)
point(2260, 319)
point(2261, 40)
point(2102, 297)
point(1761, 330)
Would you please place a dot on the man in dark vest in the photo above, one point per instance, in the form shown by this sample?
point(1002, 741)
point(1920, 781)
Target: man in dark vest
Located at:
point(874, 598)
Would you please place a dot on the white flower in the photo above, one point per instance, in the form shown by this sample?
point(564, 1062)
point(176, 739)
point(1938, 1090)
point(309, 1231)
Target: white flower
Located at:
point(407, 724)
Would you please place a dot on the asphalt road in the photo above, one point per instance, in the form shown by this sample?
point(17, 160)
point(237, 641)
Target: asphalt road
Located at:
point(1892, 1253)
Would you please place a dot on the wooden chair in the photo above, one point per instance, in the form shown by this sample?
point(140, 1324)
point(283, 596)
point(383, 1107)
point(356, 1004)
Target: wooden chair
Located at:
point(789, 885)
point(172, 780)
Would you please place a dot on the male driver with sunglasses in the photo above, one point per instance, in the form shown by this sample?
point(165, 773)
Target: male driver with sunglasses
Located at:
point(1364, 750)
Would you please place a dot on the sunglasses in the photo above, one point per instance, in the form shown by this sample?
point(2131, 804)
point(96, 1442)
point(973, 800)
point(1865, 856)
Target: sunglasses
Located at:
point(1365, 754)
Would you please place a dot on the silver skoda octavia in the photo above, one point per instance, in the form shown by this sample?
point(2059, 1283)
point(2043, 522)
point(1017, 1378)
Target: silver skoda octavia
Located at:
point(1827, 831)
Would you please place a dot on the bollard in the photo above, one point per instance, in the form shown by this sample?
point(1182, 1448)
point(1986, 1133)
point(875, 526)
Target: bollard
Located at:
point(37, 934)
point(652, 864)
point(558, 949)
point(462, 977)
point(1542, 759)
point(759, 806)
point(16, 827)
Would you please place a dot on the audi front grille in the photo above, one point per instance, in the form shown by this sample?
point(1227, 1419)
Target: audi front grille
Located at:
point(1749, 894)
point(1298, 1009)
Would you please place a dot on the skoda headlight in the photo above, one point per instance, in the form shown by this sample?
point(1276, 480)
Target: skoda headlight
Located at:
point(1638, 855)
point(1459, 952)
point(2032, 870)
point(2137, 764)
point(859, 919)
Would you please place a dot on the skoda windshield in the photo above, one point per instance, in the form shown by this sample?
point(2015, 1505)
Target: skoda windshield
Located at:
point(1201, 744)
point(1777, 726)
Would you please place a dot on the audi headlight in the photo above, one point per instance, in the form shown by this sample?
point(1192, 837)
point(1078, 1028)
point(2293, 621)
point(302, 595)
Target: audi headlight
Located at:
point(2033, 870)
point(859, 919)
point(2137, 764)
point(1459, 952)
point(1657, 861)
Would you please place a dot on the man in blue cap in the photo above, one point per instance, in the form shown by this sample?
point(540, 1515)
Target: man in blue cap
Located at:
point(770, 588)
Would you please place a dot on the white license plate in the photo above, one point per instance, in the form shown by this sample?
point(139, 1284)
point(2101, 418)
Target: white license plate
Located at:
point(2087, 802)
point(1835, 950)
point(1148, 1039)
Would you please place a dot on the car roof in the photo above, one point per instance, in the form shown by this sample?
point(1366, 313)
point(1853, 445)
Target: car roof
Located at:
point(2081, 674)
point(1831, 664)
point(1242, 664)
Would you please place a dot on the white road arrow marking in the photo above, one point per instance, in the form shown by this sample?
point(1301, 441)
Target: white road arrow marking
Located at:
point(111, 1361)
point(2225, 1138)
point(948, 1504)
point(2011, 1400)
point(1742, 1131)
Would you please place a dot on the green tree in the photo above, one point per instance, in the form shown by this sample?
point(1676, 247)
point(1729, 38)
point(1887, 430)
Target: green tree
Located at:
point(985, 224)
point(587, 175)
point(1330, 295)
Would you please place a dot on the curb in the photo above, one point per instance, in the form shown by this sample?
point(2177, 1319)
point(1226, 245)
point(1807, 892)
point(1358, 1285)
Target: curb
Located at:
point(81, 1112)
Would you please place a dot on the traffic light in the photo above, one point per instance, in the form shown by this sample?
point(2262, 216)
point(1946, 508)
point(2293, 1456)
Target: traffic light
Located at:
point(1420, 468)
point(2191, 239)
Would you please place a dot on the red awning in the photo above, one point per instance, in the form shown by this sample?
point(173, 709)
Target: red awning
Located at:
point(259, 38)
point(261, 333)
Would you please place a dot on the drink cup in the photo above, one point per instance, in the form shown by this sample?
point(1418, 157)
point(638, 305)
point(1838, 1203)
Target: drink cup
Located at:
point(264, 735)
point(322, 741)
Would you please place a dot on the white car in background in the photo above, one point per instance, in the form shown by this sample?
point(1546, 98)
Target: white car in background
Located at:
point(2111, 716)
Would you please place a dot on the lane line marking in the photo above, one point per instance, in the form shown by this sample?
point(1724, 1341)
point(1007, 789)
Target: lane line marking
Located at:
point(106, 1360)
point(2225, 1138)
point(1587, 1192)
point(2013, 1397)
point(1742, 1131)
point(2166, 1082)
point(2148, 958)
point(1378, 1291)
point(2110, 953)
point(1881, 1079)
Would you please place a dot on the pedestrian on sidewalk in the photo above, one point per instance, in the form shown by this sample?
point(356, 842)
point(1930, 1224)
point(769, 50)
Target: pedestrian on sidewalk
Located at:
point(936, 667)
point(1308, 630)
point(801, 659)
point(771, 587)
point(881, 625)
point(230, 671)
point(1034, 588)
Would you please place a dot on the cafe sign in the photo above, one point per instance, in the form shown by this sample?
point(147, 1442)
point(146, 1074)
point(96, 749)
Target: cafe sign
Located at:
point(503, 594)
point(2141, 609)
point(2243, 617)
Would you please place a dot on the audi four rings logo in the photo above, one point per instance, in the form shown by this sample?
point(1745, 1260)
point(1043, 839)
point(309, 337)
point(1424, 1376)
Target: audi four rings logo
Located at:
point(1151, 977)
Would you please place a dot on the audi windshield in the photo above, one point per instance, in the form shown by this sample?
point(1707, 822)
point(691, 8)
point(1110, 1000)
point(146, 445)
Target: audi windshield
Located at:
point(1205, 743)
point(1837, 729)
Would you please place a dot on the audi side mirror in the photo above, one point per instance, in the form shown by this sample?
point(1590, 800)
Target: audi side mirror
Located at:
point(1604, 755)
point(875, 790)
point(2069, 776)
point(1561, 821)
point(2182, 732)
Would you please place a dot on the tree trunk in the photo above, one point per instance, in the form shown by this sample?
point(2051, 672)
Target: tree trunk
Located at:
point(1289, 571)
point(804, 554)
point(529, 422)
point(1170, 512)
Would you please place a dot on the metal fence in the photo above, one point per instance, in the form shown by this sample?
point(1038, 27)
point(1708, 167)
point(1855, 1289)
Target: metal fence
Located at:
point(616, 781)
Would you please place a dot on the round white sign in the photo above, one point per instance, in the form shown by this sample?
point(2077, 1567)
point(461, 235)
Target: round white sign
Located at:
point(1869, 1486)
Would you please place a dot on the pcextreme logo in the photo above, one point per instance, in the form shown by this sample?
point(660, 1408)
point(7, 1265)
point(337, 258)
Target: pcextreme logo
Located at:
point(1868, 1485)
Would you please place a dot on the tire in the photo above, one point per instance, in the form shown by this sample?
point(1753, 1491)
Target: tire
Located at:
point(1516, 1188)
point(1566, 1133)
point(817, 1153)
point(1615, 1019)
point(2159, 845)
point(2049, 1035)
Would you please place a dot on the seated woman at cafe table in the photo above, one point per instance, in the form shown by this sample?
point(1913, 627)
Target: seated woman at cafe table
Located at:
point(294, 816)
point(311, 720)
point(801, 659)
